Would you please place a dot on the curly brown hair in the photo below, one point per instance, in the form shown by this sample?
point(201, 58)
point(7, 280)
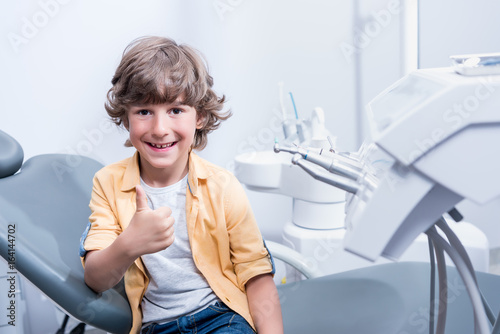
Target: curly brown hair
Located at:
point(156, 70)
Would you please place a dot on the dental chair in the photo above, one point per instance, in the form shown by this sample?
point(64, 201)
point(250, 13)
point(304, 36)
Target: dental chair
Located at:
point(44, 209)
point(43, 212)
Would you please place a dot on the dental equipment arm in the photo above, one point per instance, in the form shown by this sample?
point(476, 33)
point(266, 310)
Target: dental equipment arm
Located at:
point(332, 162)
point(337, 181)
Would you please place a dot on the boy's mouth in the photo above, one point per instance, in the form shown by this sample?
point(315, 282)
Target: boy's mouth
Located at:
point(162, 145)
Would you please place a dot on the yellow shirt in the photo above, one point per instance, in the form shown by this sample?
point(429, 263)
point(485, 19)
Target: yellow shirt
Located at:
point(226, 243)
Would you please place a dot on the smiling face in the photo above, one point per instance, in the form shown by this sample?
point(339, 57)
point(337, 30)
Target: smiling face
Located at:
point(163, 134)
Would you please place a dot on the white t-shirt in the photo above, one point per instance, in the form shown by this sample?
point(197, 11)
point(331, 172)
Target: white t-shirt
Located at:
point(176, 287)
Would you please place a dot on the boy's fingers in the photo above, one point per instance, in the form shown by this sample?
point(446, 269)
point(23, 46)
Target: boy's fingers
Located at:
point(141, 199)
point(164, 211)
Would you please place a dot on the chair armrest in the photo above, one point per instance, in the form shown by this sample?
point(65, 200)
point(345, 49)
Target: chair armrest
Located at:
point(293, 258)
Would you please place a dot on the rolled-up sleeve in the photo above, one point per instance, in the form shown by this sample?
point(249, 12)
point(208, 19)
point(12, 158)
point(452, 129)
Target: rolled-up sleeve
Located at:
point(249, 255)
point(103, 226)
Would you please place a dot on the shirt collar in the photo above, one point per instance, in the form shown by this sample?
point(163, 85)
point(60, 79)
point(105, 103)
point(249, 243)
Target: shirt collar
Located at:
point(132, 176)
point(197, 171)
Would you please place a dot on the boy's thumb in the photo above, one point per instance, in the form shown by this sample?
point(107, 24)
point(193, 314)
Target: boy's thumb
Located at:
point(141, 199)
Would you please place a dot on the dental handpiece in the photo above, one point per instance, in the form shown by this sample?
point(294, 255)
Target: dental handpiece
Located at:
point(338, 181)
point(334, 163)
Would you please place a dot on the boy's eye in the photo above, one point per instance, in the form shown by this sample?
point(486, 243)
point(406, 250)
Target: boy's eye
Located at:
point(143, 112)
point(176, 111)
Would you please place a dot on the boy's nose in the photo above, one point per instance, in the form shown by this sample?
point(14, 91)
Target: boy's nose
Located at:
point(160, 126)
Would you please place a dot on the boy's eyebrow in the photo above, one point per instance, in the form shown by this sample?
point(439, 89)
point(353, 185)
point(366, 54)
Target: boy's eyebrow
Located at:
point(145, 105)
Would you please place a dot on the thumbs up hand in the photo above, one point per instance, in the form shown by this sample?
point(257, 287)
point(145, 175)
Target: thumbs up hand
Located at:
point(149, 231)
point(141, 199)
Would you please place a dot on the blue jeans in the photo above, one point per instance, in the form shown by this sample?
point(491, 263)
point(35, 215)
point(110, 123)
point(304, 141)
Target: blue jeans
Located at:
point(217, 318)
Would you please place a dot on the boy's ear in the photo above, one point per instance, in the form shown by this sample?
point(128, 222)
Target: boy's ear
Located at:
point(200, 122)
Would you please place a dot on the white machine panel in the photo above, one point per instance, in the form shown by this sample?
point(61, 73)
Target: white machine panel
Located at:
point(426, 107)
point(441, 131)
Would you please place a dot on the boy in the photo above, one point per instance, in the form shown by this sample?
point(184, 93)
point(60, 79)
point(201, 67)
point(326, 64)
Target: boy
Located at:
point(178, 229)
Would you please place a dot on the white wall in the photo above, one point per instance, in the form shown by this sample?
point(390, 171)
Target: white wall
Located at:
point(58, 58)
point(457, 27)
point(57, 61)
point(377, 32)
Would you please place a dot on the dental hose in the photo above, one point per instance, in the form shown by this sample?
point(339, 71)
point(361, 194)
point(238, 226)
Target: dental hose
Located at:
point(481, 323)
point(456, 244)
point(443, 288)
point(433, 281)
point(443, 291)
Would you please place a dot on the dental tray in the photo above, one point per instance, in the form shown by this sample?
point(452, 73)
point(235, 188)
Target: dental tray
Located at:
point(477, 64)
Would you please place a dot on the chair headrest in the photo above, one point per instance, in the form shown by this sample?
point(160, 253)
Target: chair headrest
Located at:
point(11, 155)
